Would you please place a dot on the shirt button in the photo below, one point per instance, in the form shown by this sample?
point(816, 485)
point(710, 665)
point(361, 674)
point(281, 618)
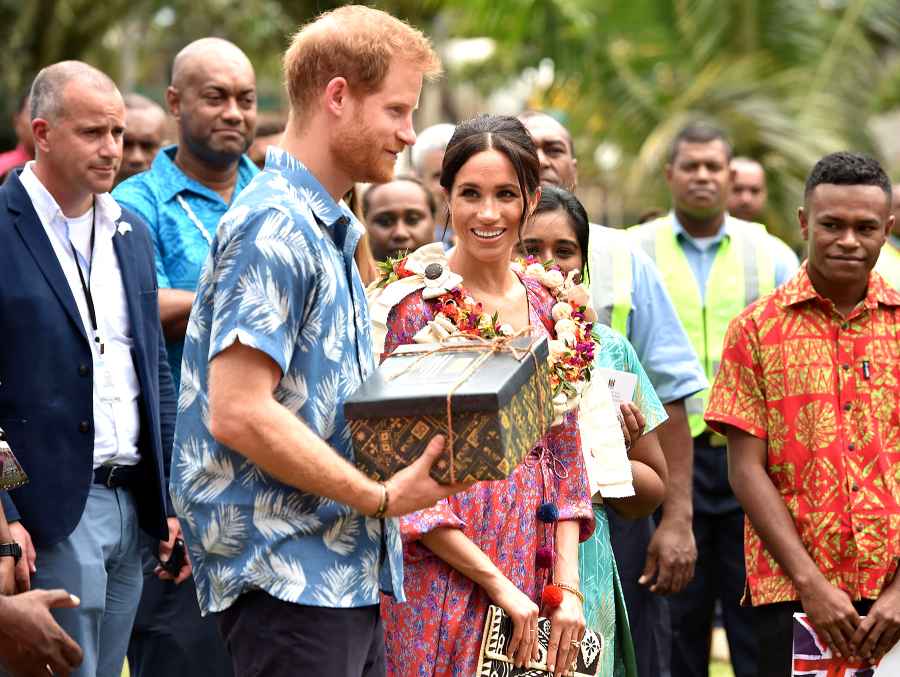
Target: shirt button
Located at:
point(855, 487)
point(845, 325)
point(84, 427)
point(82, 370)
point(847, 406)
point(851, 447)
point(845, 366)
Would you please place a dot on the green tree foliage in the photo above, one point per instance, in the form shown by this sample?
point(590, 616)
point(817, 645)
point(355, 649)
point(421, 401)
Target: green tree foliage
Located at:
point(790, 80)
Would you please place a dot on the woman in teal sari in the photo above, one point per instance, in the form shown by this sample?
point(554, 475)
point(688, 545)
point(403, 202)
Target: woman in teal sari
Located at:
point(558, 230)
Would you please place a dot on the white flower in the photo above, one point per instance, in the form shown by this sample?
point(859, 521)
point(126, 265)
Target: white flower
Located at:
point(578, 296)
point(430, 259)
point(552, 279)
point(557, 348)
point(124, 227)
point(535, 270)
point(568, 338)
point(565, 327)
point(436, 330)
point(517, 267)
point(506, 329)
point(561, 311)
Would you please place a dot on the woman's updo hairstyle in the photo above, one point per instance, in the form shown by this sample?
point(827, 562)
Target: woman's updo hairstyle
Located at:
point(504, 134)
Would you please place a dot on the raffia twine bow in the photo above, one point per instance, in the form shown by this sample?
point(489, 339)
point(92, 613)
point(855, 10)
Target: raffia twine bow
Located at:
point(487, 347)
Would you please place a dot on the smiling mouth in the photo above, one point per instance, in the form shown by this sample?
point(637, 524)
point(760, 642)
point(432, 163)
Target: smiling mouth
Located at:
point(487, 234)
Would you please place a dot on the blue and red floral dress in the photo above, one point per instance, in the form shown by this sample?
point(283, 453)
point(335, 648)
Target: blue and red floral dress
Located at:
point(437, 632)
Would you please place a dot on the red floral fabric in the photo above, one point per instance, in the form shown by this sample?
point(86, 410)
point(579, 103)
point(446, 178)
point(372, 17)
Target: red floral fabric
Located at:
point(437, 632)
point(823, 391)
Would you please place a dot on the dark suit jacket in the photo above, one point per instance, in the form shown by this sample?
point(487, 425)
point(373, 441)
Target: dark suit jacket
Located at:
point(46, 385)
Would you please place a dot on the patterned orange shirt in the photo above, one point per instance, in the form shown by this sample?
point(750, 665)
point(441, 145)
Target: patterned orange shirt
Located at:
point(823, 391)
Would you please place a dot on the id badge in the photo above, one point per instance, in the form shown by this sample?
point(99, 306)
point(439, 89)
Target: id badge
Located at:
point(11, 473)
point(106, 387)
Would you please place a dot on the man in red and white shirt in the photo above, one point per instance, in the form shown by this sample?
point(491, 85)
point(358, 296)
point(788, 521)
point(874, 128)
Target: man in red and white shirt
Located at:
point(807, 394)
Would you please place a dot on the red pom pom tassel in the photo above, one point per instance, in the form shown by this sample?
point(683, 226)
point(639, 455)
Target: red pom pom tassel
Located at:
point(544, 558)
point(552, 596)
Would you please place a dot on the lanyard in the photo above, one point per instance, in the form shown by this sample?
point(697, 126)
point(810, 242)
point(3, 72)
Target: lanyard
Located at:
point(86, 285)
point(193, 217)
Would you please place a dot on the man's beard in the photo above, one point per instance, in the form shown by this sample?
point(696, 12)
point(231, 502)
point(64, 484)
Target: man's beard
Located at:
point(360, 156)
point(214, 158)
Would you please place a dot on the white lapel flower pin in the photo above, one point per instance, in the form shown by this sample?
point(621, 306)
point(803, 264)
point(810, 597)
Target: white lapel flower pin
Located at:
point(124, 227)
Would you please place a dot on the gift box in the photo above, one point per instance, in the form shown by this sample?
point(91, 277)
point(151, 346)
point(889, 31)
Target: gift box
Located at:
point(491, 400)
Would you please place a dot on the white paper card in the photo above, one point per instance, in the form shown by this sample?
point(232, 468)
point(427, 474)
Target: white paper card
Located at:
point(620, 383)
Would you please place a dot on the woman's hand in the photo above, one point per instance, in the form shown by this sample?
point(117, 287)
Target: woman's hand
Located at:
point(523, 646)
point(566, 632)
point(632, 421)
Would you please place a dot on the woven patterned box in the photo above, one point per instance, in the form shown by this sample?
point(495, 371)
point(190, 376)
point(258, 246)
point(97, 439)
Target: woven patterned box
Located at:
point(499, 409)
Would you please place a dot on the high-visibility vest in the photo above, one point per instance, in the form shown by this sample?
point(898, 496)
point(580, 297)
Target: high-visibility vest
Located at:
point(741, 272)
point(610, 275)
point(888, 265)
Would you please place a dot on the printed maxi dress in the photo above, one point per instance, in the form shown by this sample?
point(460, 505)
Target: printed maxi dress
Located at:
point(437, 633)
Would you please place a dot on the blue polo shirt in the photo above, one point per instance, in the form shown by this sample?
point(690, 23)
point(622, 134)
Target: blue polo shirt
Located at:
point(183, 215)
point(281, 279)
point(701, 252)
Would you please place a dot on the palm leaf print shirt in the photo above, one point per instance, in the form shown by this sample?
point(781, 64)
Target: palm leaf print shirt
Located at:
point(280, 278)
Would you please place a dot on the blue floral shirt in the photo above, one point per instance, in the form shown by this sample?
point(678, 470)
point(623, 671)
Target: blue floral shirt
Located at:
point(182, 214)
point(280, 278)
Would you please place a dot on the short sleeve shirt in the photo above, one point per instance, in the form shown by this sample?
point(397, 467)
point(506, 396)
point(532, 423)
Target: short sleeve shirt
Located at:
point(657, 335)
point(617, 353)
point(280, 278)
point(183, 215)
point(822, 390)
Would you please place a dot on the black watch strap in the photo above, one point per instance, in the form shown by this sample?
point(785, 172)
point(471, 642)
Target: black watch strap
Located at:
point(13, 550)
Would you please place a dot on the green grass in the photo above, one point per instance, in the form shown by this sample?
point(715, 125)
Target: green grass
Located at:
point(720, 670)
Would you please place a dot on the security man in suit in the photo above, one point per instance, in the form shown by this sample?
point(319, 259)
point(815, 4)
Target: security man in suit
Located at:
point(86, 396)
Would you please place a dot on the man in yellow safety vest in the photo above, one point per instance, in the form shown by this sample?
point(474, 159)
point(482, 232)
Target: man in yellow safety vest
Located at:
point(713, 266)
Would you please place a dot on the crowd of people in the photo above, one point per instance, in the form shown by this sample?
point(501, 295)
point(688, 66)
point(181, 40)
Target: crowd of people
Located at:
point(183, 323)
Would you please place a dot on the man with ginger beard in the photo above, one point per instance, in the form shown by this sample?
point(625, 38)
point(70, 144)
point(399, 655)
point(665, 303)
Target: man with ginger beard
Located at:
point(182, 197)
point(293, 545)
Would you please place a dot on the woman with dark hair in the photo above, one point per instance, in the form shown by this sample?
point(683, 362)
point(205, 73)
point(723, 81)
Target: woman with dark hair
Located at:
point(558, 230)
point(499, 542)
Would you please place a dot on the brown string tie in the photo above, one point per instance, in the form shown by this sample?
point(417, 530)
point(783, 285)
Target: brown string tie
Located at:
point(488, 347)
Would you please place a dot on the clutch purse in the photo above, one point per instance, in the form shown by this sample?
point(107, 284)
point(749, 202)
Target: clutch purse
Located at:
point(11, 473)
point(498, 630)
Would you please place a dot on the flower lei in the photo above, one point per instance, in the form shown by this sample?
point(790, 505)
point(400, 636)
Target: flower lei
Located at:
point(572, 349)
point(459, 317)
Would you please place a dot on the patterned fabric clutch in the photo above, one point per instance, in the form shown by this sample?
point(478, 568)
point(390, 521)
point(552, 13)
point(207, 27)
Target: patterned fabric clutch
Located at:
point(498, 629)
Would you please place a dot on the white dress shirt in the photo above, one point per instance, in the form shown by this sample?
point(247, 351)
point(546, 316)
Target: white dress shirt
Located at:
point(116, 387)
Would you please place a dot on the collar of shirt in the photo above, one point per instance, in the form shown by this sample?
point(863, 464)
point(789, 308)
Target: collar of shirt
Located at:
point(713, 243)
point(172, 181)
point(800, 289)
point(49, 212)
point(336, 217)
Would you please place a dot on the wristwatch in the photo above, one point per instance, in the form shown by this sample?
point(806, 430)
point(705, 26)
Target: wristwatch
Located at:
point(13, 550)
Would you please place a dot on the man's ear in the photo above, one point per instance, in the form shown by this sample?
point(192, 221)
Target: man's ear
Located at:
point(40, 131)
point(804, 222)
point(173, 101)
point(336, 95)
